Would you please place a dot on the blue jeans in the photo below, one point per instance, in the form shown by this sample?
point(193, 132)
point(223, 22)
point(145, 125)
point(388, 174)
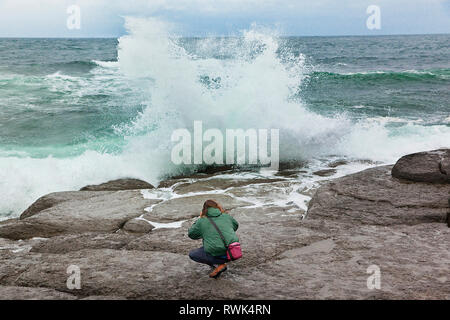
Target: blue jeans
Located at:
point(201, 256)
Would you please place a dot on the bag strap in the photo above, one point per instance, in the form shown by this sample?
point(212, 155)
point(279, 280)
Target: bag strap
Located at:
point(221, 236)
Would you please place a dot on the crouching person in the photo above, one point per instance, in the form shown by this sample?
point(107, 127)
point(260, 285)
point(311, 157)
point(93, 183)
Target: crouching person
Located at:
point(214, 249)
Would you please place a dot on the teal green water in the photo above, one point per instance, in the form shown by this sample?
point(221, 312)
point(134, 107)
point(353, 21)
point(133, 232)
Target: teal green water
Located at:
point(55, 97)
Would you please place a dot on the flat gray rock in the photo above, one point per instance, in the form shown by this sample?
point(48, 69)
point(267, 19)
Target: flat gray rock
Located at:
point(77, 212)
point(373, 196)
point(28, 293)
point(105, 272)
point(74, 242)
point(173, 240)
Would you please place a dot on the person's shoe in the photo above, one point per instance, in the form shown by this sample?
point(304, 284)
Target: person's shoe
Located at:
point(217, 271)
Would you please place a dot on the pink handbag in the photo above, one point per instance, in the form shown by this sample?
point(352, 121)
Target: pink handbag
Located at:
point(233, 249)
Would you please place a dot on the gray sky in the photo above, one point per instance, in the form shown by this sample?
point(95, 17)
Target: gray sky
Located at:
point(104, 18)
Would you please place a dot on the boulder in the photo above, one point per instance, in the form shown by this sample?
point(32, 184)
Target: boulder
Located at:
point(430, 166)
point(77, 212)
point(119, 184)
point(48, 201)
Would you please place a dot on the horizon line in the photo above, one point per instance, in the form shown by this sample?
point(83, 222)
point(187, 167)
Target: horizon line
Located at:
point(227, 36)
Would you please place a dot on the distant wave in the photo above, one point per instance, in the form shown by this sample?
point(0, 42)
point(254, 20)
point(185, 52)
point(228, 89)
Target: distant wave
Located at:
point(105, 64)
point(407, 75)
point(75, 64)
point(79, 66)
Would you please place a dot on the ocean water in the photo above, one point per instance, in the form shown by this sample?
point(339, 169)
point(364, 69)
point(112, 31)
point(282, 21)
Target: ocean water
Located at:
point(80, 111)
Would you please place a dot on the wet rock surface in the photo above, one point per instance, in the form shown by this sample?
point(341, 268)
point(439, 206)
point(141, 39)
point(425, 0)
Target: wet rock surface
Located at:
point(189, 207)
point(325, 173)
point(353, 222)
point(218, 184)
point(119, 184)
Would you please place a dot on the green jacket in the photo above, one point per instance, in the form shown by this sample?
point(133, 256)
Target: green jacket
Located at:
point(203, 229)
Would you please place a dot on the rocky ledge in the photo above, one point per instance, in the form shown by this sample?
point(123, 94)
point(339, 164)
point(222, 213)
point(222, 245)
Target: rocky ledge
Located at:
point(133, 244)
